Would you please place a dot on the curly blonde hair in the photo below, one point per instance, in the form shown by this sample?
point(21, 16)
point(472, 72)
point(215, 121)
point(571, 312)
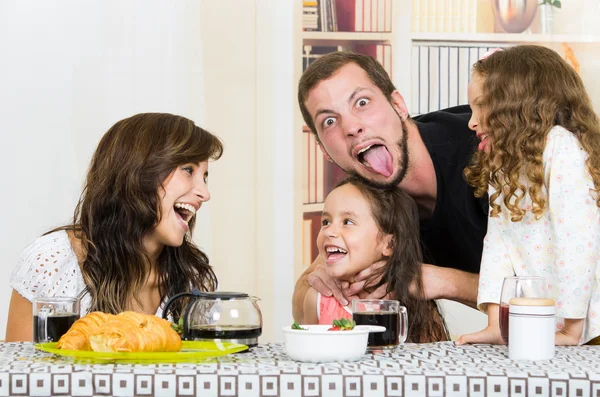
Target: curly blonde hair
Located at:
point(526, 91)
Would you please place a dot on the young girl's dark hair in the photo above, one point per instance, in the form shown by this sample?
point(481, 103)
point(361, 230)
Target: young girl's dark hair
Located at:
point(120, 203)
point(396, 214)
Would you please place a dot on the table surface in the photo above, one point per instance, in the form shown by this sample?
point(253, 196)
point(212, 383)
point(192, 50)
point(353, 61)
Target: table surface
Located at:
point(435, 369)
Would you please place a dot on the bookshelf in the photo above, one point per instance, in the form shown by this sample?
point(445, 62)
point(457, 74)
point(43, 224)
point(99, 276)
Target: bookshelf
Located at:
point(444, 45)
point(364, 26)
point(346, 38)
point(509, 38)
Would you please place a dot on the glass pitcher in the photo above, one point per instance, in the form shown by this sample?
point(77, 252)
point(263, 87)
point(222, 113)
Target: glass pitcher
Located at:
point(220, 316)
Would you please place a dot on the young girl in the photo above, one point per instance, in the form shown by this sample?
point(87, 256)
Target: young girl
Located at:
point(540, 157)
point(129, 245)
point(362, 225)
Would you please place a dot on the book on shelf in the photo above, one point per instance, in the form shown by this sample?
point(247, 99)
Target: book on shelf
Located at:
point(327, 16)
point(348, 15)
point(387, 59)
point(387, 24)
point(367, 8)
point(310, 20)
point(454, 83)
point(310, 16)
point(332, 175)
point(307, 255)
point(452, 16)
point(381, 52)
point(321, 175)
point(358, 16)
point(442, 75)
point(315, 170)
point(310, 230)
point(312, 53)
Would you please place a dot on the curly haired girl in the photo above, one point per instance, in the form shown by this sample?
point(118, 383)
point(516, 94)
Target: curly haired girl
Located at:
point(539, 160)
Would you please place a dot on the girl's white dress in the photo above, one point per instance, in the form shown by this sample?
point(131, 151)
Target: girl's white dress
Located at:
point(563, 245)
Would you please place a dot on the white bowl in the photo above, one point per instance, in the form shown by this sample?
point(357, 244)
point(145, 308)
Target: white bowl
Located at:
point(317, 345)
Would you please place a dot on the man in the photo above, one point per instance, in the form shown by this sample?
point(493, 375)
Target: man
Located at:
point(362, 124)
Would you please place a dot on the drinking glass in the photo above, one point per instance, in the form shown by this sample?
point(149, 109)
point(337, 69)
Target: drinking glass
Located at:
point(519, 287)
point(386, 313)
point(52, 317)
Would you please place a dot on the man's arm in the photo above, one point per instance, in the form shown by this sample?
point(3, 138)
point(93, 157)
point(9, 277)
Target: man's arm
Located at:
point(316, 277)
point(438, 283)
point(449, 283)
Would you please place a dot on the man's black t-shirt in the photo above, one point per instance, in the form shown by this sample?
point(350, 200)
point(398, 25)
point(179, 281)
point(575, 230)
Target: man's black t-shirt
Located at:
point(453, 236)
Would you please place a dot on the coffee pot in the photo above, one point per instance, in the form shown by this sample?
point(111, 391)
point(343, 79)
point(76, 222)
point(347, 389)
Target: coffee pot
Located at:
point(220, 317)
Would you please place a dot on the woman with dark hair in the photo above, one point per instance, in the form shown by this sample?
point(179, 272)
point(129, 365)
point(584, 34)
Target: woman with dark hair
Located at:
point(130, 243)
point(362, 224)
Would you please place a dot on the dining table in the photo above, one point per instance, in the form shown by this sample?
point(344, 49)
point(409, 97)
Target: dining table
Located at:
point(432, 369)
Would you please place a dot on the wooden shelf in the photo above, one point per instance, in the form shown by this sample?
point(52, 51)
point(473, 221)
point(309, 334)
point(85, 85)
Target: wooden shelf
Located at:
point(469, 38)
point(322, 38)
point(313, 207)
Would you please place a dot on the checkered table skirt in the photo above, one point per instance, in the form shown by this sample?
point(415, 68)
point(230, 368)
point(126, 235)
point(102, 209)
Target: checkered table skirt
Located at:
point(438, 369)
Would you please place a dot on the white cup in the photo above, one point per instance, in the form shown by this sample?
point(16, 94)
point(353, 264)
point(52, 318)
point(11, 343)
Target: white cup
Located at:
point(531, 328)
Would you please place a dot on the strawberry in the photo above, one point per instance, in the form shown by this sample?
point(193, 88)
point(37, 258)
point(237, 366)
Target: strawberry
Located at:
point(342, 325)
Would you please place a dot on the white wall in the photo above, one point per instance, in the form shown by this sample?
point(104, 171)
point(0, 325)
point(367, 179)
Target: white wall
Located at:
point(69, 70)
point(248, 66)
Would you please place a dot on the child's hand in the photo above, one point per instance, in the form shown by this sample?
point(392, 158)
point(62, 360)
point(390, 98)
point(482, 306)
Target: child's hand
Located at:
point(570, 334)
point(489, 335)
point(563, 339)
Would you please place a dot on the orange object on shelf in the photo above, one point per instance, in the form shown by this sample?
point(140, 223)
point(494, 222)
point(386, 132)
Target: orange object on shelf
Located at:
point(570, 56)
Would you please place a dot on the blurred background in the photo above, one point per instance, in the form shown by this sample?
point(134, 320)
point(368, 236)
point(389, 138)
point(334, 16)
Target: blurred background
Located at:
point(71, 69)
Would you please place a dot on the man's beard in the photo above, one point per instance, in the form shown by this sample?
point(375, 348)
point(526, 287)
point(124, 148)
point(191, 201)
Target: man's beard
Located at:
point(402, 145)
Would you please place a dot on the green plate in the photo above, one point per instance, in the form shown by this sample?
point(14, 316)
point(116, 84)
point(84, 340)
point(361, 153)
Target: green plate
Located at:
point(191, 351)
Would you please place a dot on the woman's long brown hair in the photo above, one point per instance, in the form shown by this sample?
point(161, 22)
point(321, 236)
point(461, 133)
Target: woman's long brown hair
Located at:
point(396, 214)
point(527, 90)
point(120, 203)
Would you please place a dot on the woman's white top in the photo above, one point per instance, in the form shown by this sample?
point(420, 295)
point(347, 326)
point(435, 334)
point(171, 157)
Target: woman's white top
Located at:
point(48, 267)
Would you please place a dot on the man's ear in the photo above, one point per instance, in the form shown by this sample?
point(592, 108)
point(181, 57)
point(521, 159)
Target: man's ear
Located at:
point(325, 154)
point(399, 104)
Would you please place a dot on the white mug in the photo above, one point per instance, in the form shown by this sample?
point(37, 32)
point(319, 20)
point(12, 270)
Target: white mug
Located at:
point(531, 328)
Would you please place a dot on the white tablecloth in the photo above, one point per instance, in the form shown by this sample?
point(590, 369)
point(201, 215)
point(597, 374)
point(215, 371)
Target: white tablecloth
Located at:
point(438, 369)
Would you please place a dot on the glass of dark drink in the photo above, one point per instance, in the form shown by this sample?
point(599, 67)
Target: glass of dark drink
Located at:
point(519, 287)
point(52, 317)
point(386, 313)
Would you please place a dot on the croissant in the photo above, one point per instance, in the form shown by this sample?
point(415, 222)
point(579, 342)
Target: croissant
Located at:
point(78, 336)
point(136, 332)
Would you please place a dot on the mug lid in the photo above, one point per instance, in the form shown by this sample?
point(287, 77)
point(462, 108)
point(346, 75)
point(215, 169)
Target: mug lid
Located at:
point(222, 295)
point(531, 302)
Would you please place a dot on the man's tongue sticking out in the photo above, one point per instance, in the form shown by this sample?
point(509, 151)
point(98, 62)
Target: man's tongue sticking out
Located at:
point(379, 159)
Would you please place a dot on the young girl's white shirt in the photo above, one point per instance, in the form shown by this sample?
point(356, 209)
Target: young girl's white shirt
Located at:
point(48, 267)
point(563, 245)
